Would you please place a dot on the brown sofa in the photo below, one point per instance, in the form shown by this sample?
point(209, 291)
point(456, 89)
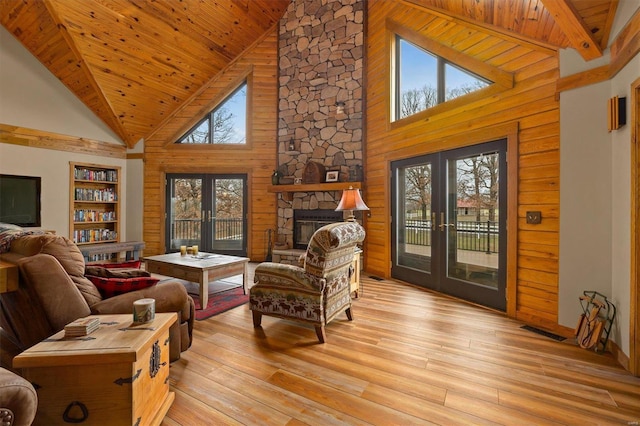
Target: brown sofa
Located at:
point(54, 291)
point(18, 400)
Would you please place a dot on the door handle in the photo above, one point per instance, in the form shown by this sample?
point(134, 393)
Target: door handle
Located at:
point(445, 225)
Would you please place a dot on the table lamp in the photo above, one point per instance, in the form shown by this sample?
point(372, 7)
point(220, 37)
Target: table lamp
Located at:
point(351, 200)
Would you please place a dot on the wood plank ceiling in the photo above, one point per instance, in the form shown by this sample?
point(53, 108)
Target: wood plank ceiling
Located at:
point(134, 62)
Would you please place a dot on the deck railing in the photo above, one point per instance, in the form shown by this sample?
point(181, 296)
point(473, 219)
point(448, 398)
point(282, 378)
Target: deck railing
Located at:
point(470, 235)
point(190, 229)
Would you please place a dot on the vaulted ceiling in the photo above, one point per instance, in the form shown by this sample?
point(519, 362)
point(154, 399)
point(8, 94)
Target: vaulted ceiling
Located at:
point(134, 62)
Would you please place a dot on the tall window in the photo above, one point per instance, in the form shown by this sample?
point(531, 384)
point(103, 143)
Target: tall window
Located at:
point(424, 79)
point(226, 124)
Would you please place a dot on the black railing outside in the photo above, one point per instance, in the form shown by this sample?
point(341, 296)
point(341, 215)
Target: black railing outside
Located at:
point(417, 232)
point(185, 229)
point(190, 229)
point(470, 235)
point(228, 229)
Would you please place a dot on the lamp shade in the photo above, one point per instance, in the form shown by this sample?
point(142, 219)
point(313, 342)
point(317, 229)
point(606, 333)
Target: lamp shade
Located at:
point(351, 200)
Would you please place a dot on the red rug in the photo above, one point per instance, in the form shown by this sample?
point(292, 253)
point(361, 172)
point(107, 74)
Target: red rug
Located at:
point(220, 302)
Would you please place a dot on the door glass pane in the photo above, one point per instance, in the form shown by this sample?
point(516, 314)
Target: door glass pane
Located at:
point(414, 223)
point(471, 222)
point(184, 212)
point(227, 225)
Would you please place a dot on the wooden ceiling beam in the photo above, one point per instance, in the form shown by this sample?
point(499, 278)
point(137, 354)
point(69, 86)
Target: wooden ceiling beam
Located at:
point(574, 28)
point(492, 28)
point(606, 30)
point(24, 136)
point(135, 62)
point(626, 45)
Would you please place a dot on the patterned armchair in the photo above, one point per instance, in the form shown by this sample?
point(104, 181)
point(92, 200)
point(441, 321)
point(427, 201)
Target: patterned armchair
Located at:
point(315, 293)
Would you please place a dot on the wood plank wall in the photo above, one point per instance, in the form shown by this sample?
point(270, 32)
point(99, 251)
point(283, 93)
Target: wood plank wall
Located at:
point(257, 159)
point(530, 106)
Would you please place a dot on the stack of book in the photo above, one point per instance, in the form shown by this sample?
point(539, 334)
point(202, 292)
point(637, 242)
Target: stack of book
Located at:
point(81, 327)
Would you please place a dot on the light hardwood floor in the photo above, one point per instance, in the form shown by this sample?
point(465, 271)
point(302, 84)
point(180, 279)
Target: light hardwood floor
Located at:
point(409, 357)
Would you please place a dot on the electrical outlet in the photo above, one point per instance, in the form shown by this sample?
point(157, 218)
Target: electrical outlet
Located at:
point(534, 217)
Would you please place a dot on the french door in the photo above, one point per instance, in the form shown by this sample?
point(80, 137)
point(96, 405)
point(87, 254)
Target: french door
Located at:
point(207, 210)
point(449, 222)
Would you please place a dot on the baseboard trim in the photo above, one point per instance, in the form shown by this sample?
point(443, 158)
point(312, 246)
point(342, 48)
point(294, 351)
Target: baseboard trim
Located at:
point(618, 355)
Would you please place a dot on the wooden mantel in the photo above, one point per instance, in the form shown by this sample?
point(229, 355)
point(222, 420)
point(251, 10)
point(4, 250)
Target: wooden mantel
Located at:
point(288, 190)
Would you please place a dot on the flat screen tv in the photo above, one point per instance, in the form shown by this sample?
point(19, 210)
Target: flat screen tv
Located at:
point(20, 200)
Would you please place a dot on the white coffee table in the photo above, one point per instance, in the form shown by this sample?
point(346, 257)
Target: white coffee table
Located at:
point(201, 268)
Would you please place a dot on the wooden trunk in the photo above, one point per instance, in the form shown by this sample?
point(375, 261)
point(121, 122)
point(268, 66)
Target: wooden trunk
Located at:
point(117, 375)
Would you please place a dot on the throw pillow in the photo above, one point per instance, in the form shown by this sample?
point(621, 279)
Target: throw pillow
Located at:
point(131, 264)
point(99, 271)
point(67, 253)
point(110, 287)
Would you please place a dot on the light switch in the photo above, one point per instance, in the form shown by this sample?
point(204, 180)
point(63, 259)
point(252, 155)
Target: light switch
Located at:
point(534, 217)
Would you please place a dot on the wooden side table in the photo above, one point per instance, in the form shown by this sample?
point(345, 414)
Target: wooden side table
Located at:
point(8, 277)
point(117, 375)
point(354, 284)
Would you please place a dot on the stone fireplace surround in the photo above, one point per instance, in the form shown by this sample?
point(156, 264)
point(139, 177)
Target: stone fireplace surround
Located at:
point(306, 222)
point(321, 95)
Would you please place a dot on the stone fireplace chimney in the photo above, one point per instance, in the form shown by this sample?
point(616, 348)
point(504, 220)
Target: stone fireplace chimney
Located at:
point(321, 96)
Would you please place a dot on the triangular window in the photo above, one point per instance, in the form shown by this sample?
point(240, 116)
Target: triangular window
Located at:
point(226, 124)
point(424, 80)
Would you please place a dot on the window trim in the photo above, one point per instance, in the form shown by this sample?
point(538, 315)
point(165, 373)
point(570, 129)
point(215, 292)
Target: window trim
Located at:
point(502, 80)
point(209, 117)
point(204, 112)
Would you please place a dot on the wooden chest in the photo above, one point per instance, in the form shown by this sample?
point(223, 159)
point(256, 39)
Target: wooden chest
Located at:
point(117, 375)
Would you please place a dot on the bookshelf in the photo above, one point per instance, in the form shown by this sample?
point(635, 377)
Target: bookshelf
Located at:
point(94, 204)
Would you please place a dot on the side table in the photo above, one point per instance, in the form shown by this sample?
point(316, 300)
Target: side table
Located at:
point(354, 284)
point(8, 277)
point(117, 375)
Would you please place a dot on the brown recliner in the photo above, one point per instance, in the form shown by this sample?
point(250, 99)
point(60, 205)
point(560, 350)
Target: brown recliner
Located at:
point(54, 291)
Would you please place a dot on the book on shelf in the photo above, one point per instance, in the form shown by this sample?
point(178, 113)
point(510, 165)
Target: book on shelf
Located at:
point(81, 327)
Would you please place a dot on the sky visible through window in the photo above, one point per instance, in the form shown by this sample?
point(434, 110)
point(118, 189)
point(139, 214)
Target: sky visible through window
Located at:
point(418, 68)
point(226, 124)
point(236, 104)
point(418, 85)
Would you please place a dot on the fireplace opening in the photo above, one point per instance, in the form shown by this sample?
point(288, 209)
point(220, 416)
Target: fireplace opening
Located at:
point(306, 222)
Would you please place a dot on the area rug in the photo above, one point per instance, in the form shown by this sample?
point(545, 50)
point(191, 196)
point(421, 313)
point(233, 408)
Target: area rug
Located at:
point(223, 295)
